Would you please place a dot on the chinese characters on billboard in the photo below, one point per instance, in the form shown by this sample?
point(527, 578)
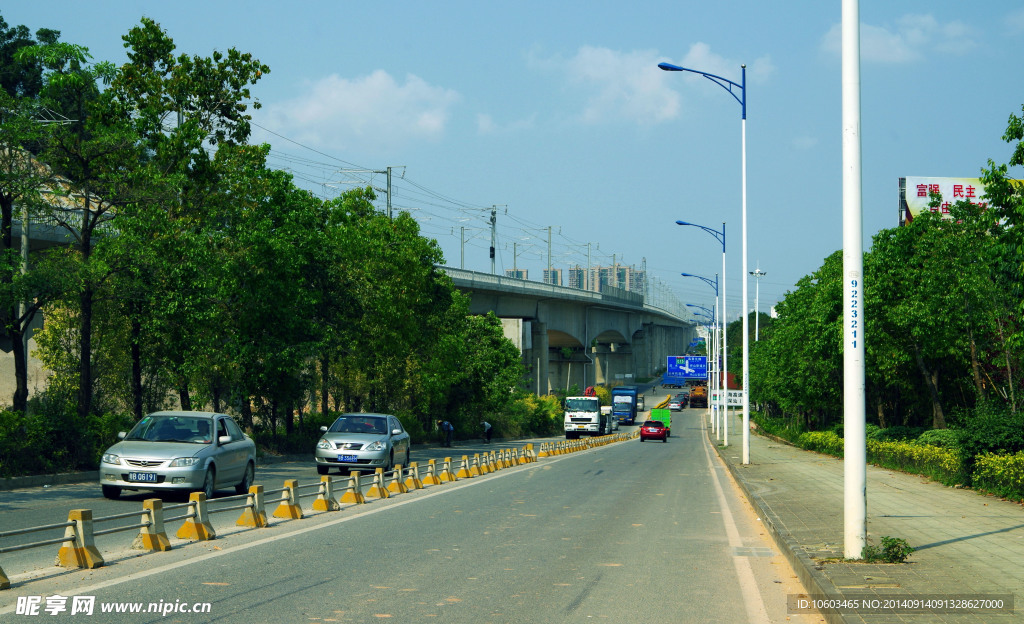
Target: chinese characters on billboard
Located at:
point(915, 195)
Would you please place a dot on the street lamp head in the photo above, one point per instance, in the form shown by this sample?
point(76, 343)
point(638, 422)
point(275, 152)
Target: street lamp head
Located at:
point(670, 67)
point(683, 223)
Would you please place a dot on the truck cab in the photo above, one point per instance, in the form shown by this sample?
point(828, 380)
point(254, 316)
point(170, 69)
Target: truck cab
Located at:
point(583, 416)
point(624, 404)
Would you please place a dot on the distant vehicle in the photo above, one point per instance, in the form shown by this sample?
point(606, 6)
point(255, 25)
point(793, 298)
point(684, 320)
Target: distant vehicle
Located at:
point(640, 403)
point(672, 381)
point(607, 411)
point(181, 450)
point(653, 430)
point(699, 396)
point(664, 416)
point(624, 404)
point(362, 442)
point(674, 404)
point(583, 415)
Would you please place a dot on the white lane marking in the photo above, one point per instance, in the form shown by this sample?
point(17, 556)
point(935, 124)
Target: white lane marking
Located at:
point(752, 600)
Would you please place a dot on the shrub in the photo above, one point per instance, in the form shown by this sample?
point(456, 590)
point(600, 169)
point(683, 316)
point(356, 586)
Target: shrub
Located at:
point(944, 438)
point(893, 550)
point(897, 432)
point(1000, 474)
point(822, 442)
point(939, 463)
point(989, 431)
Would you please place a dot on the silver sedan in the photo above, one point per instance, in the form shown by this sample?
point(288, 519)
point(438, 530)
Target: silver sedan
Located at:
point(188, 451)
point(362, 442)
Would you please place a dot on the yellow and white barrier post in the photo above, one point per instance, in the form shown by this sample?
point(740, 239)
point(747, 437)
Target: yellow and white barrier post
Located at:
point(254, 515)
point(377, 490)
point(412, 482)
point(152, 537)
point(464, 472)
point(446, 471)
point(198, 527)
point(431, 478)
point(289, 505)
point(325, 498)
point(397, 486)
point(354, 490)
point(79, 551)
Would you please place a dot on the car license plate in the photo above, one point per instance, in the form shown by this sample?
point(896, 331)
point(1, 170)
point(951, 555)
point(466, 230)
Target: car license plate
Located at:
point(347, 458)
point(581, 426)
point(142, 477)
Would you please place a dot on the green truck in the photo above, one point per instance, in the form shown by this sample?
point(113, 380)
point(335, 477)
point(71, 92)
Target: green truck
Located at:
point(664, 415)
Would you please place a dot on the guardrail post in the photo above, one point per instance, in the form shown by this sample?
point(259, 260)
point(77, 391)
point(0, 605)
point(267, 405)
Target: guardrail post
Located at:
point(464, 472)
point(354, 490)
point(198, 527)
point(446, 471)
point(325, 500)
point(79, 551)
point(254, 515)
point(531, 455)
point(474, 466)
point(413, 481)
point(152, 537)
point(5, 583)
point(289, 506)
point(377, 490)
point(431, 478)
point(396, 486)
point(521, 457)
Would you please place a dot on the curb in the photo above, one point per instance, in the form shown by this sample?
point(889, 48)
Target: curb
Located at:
point(813, 581)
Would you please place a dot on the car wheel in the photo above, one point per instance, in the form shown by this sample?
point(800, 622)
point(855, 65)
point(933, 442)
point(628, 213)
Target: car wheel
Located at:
point(391, 461)
point(243, 486)
point(641, 438)
point(208, 483)
point(406, 464)
point(665, 439)
point(111, 492)
point(323, 469)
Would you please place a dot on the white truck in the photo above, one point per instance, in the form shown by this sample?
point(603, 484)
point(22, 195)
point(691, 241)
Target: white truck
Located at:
point(583, 416)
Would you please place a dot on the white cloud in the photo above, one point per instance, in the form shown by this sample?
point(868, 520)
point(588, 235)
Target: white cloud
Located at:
point(375, 109)
point(485, 124)
point(1015, 22)
point(804, 142)
point(616, 85)
point(911, 38)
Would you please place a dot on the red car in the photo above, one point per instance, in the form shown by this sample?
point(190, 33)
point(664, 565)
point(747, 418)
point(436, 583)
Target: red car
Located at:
point(653, 430)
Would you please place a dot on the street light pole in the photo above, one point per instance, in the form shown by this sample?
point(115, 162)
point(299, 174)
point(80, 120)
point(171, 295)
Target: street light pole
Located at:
point(758, 274)
point(725, 366)
point(741, 97)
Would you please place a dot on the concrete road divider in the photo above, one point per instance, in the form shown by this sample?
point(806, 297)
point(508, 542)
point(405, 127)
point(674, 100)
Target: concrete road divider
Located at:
point(397, 486)
point(325, 496)
point(354, 491)
point(378, 490)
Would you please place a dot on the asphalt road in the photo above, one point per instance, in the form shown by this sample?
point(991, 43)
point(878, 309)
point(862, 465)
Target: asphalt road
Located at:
point(630, 532)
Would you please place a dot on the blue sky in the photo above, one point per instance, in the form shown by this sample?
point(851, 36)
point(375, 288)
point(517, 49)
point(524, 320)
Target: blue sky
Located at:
point(556, 112)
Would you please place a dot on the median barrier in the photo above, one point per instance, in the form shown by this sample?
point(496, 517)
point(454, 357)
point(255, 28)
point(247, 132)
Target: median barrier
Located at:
point(152, 536)
point(197, 525)
point(413, 482)
point(325, 496)
point(432, 478)
point(354, 491)
point(446, 471)
point(289, 506)
point(78, 548)
point(397, 486)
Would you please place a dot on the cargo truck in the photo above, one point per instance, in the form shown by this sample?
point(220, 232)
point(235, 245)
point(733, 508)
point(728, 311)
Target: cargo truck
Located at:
point(699, 396)
point(624, 404)
point(583, 416)
point(665, 416)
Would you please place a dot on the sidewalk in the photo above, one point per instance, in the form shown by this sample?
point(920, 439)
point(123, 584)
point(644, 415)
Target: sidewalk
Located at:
point(966, 543)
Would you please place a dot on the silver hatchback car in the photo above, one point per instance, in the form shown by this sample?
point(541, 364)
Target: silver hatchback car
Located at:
point(188, 451)
point(362, 442)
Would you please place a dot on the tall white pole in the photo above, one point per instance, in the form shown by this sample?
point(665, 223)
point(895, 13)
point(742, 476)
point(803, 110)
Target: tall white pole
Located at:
point(854, 449)
point(746, 308)
point(757, 273)
point(724, 384)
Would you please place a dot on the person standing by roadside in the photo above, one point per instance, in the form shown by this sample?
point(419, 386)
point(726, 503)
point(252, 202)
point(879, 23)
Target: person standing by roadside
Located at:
point(448, 430)
point(488, 430)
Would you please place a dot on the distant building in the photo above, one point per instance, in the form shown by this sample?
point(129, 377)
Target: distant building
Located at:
point(553, 276)
point(517, 273)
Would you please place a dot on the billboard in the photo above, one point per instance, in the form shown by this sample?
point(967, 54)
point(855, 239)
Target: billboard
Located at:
point(915, 191)
point(687, 366)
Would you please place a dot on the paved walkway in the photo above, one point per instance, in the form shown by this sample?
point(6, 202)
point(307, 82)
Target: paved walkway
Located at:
point(966, 543)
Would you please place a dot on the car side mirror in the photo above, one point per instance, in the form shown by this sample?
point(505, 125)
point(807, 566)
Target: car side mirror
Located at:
point(396, 432)
point(224, 439)
point(323, 427)
point(121, 435)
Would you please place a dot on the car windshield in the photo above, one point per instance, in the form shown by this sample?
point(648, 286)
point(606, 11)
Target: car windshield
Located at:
point(359, 424)
point(581, 405)
point(195, 430)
